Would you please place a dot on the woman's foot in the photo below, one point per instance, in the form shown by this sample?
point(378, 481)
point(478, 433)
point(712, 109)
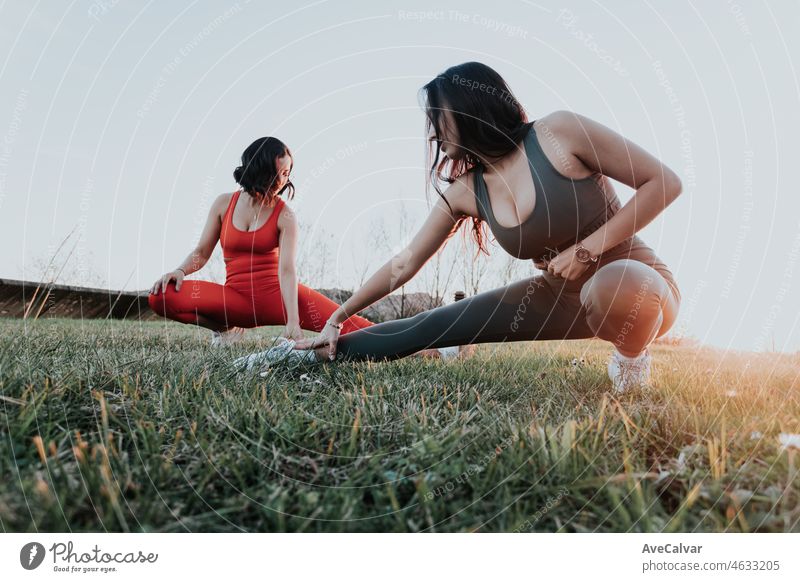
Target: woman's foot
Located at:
point(456, 352)
point(448, 353)
point(226, 338)
point(627, 373)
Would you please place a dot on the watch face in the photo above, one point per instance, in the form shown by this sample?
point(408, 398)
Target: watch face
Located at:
point(582, 255)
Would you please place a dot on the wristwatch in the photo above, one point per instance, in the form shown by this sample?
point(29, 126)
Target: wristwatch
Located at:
point(583, 255)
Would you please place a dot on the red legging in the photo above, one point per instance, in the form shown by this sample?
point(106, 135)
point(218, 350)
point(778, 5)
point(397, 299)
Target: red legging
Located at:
point(232, 308)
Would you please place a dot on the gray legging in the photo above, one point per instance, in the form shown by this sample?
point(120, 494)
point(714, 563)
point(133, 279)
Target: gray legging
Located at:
point(627, 298)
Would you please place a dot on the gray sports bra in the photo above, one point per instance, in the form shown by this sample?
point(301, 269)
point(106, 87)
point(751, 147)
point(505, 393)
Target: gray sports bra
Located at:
point(565, 211)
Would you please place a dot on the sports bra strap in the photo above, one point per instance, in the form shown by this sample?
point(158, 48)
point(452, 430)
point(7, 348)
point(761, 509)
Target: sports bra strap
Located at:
point(228, 216)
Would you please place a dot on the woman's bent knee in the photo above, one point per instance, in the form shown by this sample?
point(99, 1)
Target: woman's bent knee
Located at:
point(156, 303)
point(623, 284)
point(626, 298)
point(164, 302)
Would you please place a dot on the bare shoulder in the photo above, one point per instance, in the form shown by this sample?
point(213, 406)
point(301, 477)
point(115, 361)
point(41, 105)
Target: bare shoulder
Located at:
point(461, 196)
point(574, 127)
point(562, 121)
point(565, 136)
point(220, 204)
point(587, 145)
point(224, 199)
point(287, 216)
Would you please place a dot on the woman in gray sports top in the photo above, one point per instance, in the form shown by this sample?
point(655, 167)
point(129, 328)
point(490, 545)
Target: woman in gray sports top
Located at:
point(543, 188)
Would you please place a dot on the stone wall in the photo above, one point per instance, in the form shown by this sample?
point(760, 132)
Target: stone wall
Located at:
point(33, 299)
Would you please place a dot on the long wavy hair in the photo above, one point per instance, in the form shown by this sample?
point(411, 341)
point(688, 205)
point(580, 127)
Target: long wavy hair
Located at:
point(489, 120)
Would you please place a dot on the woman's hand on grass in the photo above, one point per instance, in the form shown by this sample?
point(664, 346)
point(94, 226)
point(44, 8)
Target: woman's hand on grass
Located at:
point(293, 331)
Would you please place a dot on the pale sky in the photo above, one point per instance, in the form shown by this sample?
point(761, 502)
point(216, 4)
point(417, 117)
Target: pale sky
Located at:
point(121, 120)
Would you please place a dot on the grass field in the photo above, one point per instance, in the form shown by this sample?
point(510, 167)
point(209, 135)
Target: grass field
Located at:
point(124, 426)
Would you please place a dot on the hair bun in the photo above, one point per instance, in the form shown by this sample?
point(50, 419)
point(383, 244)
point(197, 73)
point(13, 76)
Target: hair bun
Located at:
point(238, 174)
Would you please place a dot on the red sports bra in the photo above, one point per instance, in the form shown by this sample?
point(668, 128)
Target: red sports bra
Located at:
point(249, 253)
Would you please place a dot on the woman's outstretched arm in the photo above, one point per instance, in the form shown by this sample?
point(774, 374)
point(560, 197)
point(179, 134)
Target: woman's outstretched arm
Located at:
point(397, 271)
point(202, 251)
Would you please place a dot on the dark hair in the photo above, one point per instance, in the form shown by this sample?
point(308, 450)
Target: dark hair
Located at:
point(258, 172)
point(489, 119)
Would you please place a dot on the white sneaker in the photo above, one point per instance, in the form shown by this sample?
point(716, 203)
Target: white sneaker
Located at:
point(282, 352)
point(226, 338)
point(448, 353)
point(453, 352)
point(627, 373)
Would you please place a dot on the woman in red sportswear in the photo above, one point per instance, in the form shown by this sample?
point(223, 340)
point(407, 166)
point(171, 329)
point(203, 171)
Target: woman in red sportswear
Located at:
point(258, 233)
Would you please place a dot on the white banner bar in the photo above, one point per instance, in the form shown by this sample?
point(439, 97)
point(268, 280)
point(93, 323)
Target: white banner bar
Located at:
point(350, 557)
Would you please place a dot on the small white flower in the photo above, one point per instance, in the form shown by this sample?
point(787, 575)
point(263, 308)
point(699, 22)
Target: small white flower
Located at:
point(755, 435)
point(741, 496)
point(675, 369)
point(730, 393)
point(789, 440)
point(681, 462)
